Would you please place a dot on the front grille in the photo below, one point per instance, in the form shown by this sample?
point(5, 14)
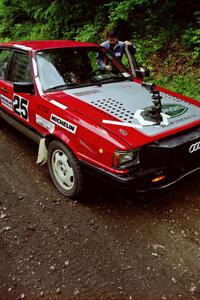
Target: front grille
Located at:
point(172, 150)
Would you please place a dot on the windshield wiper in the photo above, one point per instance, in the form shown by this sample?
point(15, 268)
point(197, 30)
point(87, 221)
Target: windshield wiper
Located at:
point(57, 87)
point(62, 86)
point(113, 78)
point(96, 81)
point(74, 84)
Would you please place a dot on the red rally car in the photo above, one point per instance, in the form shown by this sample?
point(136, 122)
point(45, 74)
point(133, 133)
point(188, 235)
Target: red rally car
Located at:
point(88, 119)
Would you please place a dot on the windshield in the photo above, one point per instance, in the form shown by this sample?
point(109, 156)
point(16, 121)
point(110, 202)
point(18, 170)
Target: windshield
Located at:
point(72, 67)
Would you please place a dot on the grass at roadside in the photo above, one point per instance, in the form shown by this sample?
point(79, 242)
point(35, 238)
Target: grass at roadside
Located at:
point(183, 84)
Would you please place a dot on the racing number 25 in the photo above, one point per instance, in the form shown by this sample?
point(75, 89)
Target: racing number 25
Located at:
point(20, 107)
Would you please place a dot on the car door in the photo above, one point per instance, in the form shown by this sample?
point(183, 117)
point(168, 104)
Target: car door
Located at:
point(20, 71)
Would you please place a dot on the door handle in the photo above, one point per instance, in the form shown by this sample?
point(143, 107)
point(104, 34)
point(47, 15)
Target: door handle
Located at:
point(3, 89)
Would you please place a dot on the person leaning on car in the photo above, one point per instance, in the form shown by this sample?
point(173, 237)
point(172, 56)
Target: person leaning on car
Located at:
point(115, 47)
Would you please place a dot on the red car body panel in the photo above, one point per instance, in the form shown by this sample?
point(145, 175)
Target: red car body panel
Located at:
point(94, 141)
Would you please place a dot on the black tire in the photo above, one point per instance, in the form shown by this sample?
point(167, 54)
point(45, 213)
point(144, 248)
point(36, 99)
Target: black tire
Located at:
point(64, 169)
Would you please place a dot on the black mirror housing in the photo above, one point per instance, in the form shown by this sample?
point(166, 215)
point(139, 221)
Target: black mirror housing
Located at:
point(142, 72)
point(24, 87)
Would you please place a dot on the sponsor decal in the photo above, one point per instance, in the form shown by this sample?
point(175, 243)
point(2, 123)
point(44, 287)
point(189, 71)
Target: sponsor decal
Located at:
point(6, 102)
point(63, 123)
point(194, 147)
point(45, 123)
point(172, 110)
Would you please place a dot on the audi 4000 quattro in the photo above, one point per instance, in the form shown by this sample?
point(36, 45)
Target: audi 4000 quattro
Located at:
point(106, 122)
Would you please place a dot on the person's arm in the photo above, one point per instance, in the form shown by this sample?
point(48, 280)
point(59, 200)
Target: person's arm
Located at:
point(131, 47)
point(100, 62)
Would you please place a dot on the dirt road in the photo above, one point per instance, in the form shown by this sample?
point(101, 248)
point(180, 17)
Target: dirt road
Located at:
point(111, 245)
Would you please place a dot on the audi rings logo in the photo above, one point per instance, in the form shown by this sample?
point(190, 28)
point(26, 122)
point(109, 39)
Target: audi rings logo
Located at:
point(194, 147)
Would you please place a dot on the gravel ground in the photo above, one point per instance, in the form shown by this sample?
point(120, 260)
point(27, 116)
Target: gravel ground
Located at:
point(110, 245)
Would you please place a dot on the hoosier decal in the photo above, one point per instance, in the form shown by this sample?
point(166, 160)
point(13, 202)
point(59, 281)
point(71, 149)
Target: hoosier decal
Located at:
point(63, 123)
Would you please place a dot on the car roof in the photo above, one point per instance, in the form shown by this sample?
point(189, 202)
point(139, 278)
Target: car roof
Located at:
point(46, 44)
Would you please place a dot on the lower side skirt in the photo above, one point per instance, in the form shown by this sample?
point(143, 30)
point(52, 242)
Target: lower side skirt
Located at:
point(23, 128)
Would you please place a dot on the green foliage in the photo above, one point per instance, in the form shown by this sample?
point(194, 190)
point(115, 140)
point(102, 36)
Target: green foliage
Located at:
point(88, 33)
point(191, 38)
point(153, 26)
point(187, 85)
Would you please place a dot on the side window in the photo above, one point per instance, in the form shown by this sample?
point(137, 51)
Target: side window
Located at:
point(20, 68)
point(4, 59)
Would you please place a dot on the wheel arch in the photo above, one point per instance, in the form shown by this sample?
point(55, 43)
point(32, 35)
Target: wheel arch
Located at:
point(45, 142)
point(64, 139)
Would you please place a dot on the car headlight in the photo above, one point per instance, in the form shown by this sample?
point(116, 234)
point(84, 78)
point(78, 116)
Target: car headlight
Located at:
point(124, 159)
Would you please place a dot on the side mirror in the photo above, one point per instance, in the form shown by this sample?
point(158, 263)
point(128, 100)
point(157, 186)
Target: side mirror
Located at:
point(136, 71)
point(142, 72)
point(24, 87)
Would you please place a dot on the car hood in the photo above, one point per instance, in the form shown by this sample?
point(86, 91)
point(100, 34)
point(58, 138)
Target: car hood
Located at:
point(120, 108)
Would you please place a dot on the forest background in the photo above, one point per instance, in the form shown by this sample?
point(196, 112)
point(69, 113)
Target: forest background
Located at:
point(165, 32)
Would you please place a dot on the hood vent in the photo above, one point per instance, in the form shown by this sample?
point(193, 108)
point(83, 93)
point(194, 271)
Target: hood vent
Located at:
point(85, 93)
point(103, 112)
point(114, 108)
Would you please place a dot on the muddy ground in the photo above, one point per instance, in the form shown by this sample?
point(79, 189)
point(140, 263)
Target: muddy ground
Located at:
point(111, 245)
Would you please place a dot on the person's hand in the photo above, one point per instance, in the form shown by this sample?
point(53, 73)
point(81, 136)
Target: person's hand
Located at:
point(127, 43)
point(108, 68)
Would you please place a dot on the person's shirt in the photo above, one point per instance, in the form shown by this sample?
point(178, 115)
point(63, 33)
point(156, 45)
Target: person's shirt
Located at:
point(117, 51)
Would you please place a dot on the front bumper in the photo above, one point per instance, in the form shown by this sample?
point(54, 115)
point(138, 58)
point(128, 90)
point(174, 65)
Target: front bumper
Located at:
point(142, 180)
point(162, 163)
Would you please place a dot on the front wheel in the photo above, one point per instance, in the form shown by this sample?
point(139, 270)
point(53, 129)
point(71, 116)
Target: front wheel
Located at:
point(64, 169)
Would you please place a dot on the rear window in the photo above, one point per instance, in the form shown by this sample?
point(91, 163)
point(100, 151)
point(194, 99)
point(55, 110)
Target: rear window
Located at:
point(5, 55)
